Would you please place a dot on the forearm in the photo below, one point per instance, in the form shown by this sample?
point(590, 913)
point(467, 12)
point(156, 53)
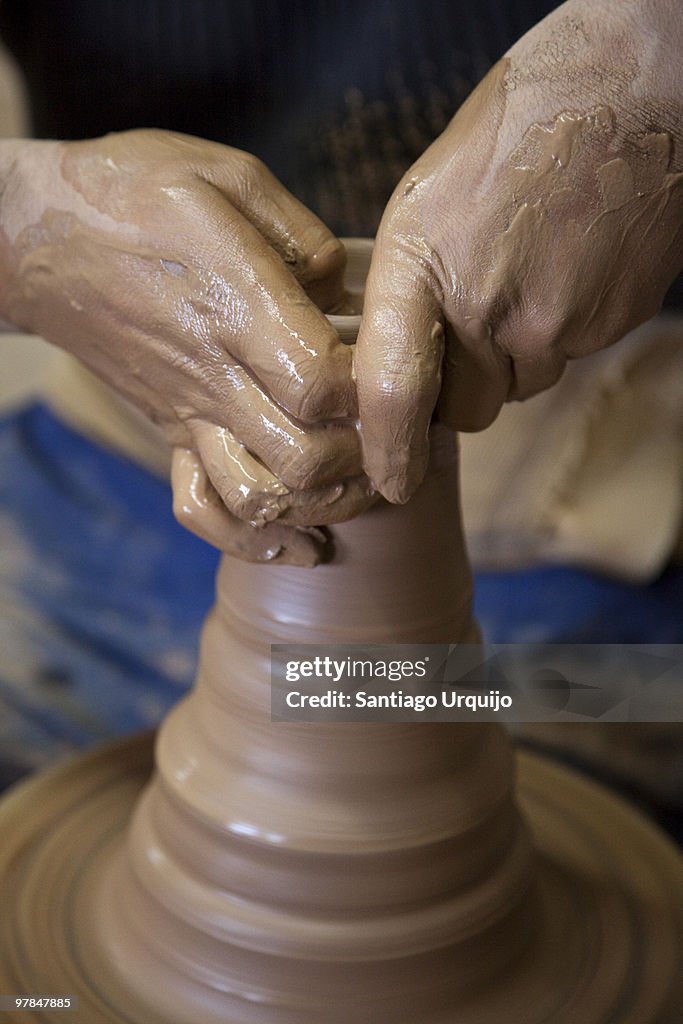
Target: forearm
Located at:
point(35, 192)
point(580, 126)
point(590, 54)
point(10, 150)
point(30, 185)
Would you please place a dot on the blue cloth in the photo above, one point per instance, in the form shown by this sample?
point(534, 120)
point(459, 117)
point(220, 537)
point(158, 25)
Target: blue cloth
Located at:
point(102, 594)
point(562, 605)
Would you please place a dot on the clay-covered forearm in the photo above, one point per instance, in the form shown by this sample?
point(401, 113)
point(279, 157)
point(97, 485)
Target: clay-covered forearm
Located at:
point(42, 210)
point(7, 162)
point(594, 115)
point(15, 155)
point(598, 52)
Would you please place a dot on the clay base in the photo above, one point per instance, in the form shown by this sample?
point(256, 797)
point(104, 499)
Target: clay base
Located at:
point(609, 951)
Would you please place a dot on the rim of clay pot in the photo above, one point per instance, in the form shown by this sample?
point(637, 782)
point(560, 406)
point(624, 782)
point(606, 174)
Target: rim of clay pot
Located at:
point(358, 255)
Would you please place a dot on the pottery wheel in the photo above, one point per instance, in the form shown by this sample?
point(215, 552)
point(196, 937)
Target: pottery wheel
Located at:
point(618, 872)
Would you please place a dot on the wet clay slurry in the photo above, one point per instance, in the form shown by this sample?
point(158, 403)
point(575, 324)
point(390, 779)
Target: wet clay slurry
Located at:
point(278, 873)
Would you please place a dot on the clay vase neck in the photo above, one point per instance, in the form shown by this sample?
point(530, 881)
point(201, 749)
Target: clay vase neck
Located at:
point(304, 868)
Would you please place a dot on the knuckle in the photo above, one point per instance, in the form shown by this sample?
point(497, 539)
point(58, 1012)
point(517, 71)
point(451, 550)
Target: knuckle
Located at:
point(327, 257)
point(302, 466)
point(311, 402)
point(530, 333)
point(253, 173)
point(224, 487)
point(237, 502)
point(306, 395)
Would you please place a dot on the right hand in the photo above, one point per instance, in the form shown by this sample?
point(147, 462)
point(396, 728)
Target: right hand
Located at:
point(183, 274)
point(543, 224)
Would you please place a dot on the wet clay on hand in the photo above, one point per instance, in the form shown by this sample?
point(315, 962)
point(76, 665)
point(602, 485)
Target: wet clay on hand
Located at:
point(185, 275)
point(545, 223)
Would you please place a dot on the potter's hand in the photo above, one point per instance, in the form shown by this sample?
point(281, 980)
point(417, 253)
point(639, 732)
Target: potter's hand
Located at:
point(544, 224)
point(186, 276)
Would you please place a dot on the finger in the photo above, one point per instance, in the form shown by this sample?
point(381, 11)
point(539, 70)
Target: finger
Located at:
point(309, 249)
point(239, 292)
point(198, 508)
point(534, 345)
point(245, 486)
point(173, 351)
point(253, 494)
point(476, 382)
point(533, 374)
point(329, 505)
point(300, 458)
point(172, 345)
point(398, 369)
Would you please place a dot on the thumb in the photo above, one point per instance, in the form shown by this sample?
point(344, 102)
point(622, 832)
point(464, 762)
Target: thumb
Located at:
point(398, 367)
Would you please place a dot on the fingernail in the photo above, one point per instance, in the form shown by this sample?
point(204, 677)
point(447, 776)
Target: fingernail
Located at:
point(399, 485)
point(292, 546)
point(330, 256)
point(395, 489)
